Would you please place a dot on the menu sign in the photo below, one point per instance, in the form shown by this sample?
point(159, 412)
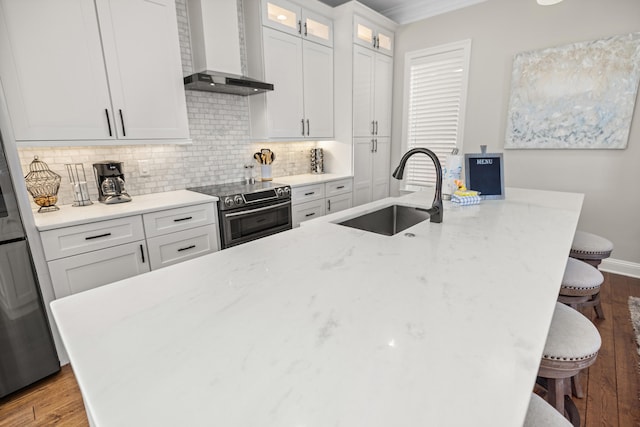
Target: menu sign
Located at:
point(485, 173)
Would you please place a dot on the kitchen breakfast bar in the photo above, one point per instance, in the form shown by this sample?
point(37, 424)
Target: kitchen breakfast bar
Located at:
point(325, 325)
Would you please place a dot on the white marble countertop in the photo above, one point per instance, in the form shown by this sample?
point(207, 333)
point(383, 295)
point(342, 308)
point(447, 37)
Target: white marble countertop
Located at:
point(325, 325)
point(309, 178)
point(69, 215)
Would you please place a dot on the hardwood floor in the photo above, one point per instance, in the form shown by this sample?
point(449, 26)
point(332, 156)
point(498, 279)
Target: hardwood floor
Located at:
point(612, 384)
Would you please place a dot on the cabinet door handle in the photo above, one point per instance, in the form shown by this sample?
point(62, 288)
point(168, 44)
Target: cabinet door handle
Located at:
point(98, 236)
point(106, 111)
point(302, 121)
point(142, 254)
point(377, 42)
point(124, 132)
point(376, 127)
point(376, 140)
point(328, 205)
point(374, 42)
point(186, 248)
point(299, 27)
point(310, 214)
point(340, 187)
point(373, 127)
point(305, 29)
point(308, 194)
point(372, 146)
point(187, 218)
point(308, 127)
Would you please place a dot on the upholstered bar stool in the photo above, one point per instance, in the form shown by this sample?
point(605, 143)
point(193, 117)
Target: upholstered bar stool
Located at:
point(572, 345)
point(590, 248)
point(541, 414)
point(581, 286)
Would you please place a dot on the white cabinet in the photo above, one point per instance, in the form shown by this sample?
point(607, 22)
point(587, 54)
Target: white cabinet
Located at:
point(85, 256)
point(179, 234)
point(290, 47)
point(75, 70)
point(291, 18)
point(92, 269)
point(301, 212)
point(315, 200)
point(372, 82)
point(372, 36)
point(372, 170)
point(177, 247)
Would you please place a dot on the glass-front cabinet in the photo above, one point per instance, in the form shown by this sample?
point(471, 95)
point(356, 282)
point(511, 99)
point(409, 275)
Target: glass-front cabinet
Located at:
point(291, 18)
point(372, 36)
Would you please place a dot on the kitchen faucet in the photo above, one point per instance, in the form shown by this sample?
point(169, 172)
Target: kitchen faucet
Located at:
point(435, 212)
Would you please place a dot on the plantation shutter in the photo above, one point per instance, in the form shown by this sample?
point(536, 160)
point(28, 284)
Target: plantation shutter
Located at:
point(437, 81)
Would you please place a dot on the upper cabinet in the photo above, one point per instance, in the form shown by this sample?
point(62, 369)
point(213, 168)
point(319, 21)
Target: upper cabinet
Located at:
point(290, 46)
point(373, 36)
point(85, 72)
point(291, 18)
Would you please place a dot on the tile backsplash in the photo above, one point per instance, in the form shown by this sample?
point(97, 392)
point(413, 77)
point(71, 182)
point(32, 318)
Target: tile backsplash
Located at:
point(219, 126)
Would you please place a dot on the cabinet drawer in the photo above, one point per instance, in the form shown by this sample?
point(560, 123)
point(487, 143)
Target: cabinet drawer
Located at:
point(67, 241)
point(178, 219)
point(177, 247)
point(87, 271)
point(307, 193)
point(338, 187)
point(306, 211)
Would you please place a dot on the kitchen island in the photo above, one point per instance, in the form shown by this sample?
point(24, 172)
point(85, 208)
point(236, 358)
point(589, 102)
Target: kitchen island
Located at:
point(326, 325)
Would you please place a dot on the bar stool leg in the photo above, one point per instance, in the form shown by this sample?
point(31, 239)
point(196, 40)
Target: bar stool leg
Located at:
point(557, 389)
point(576, 386)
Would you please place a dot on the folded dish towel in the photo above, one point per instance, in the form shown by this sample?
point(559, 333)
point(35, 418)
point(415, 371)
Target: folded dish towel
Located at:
point(465, 200)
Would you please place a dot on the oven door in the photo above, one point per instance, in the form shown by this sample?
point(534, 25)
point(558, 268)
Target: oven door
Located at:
point(250, 223)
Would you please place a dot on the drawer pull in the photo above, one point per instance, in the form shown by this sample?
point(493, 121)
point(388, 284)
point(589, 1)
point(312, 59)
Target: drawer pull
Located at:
point(186, 248)
point(309, 194)
point(183, 219)
point(340, 187)
point(98, 236)
point(310, 214)
point(142, 253)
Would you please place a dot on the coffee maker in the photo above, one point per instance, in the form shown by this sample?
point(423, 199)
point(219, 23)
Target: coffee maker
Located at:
point(110, 180)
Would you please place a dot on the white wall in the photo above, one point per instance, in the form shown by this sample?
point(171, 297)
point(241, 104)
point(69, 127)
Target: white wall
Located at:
point(499, 29)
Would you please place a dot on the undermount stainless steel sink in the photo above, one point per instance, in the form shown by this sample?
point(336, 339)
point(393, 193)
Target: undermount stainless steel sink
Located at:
point(389, 220)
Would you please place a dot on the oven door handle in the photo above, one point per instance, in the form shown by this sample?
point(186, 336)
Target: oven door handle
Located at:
point(264, 208)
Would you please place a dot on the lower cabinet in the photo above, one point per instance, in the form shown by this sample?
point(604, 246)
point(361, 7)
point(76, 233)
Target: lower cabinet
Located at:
point(86, 271)
point(177, 247)
point(305, 211)
point(86, 256)
point(339, 203)
point(315, 200)
point(371, 169)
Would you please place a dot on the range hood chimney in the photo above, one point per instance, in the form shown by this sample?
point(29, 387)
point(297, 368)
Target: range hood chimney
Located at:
point(215, 50)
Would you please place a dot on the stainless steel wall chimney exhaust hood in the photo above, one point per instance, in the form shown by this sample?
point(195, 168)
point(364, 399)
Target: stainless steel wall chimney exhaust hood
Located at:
point(215, 50)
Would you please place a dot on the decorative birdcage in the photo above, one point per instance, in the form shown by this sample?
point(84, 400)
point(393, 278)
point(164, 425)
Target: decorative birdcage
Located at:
point(43, 185)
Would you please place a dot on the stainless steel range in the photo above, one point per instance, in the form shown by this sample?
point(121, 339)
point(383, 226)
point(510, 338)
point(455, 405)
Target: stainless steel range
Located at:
point(250, 211)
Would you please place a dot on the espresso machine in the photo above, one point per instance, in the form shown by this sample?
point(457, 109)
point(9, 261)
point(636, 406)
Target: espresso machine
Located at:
point(110, 180)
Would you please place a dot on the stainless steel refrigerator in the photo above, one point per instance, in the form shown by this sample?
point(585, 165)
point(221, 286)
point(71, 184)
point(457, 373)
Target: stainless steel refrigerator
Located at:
point(27, 352)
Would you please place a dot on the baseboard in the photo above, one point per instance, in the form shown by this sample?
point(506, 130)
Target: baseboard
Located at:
point(624, 268)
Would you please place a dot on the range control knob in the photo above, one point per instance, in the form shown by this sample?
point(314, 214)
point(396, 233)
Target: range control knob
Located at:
point(228, 202)
point(287, 190)
point(279, 192)
point(238, 200)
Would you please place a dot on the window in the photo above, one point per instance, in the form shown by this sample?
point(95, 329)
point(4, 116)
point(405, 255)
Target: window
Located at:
point(435, 97)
